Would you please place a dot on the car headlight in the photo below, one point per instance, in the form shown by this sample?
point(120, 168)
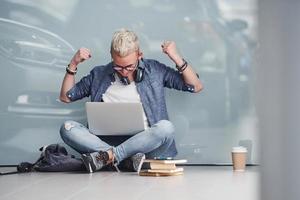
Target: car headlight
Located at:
point(26, 44)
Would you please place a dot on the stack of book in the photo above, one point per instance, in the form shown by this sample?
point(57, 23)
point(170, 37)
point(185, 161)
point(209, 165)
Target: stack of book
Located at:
point(162, 167)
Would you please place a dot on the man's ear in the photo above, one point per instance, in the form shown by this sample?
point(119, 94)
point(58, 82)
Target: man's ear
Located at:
point(140, 55)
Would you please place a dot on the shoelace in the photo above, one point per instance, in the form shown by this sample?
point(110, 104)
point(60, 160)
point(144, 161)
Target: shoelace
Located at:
point(115, 164)
point(102, 156)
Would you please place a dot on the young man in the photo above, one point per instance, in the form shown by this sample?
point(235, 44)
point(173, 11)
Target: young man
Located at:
point(128, 78)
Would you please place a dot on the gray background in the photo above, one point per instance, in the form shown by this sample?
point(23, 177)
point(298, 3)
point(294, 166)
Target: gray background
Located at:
point(278, 99)
point(39, 37)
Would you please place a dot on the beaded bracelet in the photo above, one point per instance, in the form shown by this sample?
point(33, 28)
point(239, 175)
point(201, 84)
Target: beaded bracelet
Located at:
point(70, 71)
point(182, 67)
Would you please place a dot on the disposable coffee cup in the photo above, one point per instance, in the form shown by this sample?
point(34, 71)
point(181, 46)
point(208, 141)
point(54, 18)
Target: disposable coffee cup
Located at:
point(239, 155)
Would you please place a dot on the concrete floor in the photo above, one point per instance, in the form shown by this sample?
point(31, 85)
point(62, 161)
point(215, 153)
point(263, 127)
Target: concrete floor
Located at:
point(198, 182)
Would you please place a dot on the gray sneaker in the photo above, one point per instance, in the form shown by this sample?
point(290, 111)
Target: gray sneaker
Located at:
point(137, 161)
point(95, 161)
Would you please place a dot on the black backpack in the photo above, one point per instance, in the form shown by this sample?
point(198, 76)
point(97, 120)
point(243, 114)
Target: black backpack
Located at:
point(53, 158)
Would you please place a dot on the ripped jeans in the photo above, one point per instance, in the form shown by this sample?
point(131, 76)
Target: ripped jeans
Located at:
point(154, 141)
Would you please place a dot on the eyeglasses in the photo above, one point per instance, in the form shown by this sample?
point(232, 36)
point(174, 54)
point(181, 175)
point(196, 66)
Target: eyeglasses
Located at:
point(130, 67)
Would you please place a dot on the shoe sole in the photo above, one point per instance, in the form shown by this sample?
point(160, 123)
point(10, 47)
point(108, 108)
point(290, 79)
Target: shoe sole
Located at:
point(86, 162)
point(141, 164)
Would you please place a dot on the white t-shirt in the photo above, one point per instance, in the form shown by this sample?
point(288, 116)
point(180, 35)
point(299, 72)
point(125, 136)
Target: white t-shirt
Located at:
point(118, 92)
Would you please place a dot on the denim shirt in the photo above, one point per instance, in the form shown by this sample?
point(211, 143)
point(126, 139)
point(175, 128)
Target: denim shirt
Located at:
point(151, 89)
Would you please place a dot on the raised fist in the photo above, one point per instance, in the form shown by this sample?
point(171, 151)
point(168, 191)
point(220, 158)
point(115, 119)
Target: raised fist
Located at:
point(81, 55)
point(169, 48)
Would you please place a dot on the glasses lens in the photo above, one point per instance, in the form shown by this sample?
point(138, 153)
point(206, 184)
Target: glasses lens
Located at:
point(124, 68)
point(128, 68)
point(118, 68)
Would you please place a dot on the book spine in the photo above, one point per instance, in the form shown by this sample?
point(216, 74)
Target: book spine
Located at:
point(162, 166)
point(165, 170)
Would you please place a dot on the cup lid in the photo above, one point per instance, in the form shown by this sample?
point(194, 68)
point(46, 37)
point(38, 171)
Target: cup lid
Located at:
point(239, 149)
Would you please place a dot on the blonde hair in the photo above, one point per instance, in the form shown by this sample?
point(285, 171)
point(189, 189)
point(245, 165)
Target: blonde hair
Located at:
point(124, 42)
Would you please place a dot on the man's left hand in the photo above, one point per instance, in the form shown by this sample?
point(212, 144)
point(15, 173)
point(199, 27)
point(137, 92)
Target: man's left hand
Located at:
point(169, 48)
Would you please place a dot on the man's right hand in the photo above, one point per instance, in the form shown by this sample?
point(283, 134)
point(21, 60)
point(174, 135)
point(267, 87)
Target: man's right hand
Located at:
point(81, 55)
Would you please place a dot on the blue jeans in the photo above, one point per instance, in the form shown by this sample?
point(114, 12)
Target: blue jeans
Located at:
point(154, 141)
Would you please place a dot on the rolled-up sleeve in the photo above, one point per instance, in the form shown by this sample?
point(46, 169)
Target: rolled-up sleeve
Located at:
point(81, 89)
point(173, 79)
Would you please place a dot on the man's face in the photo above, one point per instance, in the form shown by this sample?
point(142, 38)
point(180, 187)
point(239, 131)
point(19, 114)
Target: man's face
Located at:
point(126, 65)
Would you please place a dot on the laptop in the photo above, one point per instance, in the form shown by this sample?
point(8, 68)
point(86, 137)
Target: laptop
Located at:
point(114, 118)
